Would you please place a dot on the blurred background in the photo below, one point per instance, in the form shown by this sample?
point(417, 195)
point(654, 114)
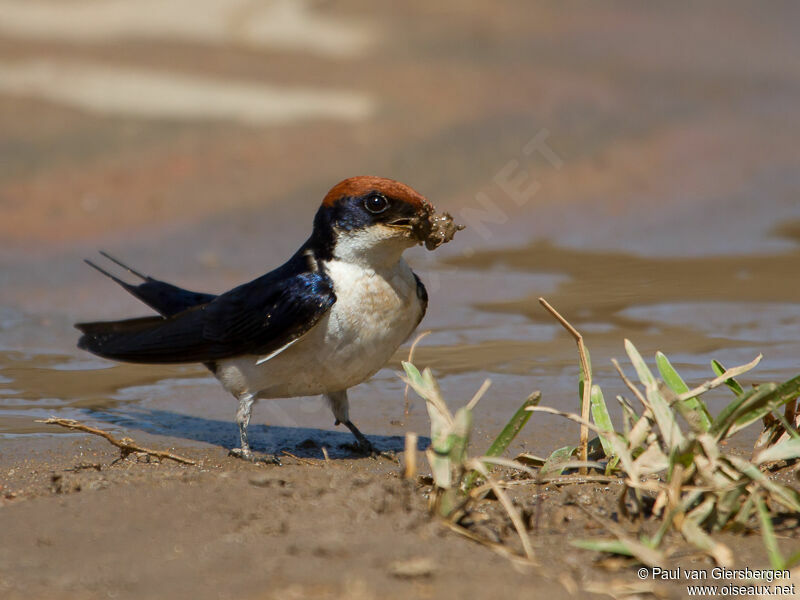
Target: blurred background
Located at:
point(637, 164)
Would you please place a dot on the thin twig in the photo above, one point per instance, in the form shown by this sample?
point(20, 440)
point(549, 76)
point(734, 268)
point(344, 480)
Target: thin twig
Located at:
point(302, 460)
point(506, 502)
point(557, 481)
point(479, 394)
point(406, 406)
point(325, 455)
point(587, 378)
point(411, 455)
point(631, 385)
point(641, 551)
point(499, 548)
point(571, 416)
point(507, 462)
point(125, 445)
point(481, 490)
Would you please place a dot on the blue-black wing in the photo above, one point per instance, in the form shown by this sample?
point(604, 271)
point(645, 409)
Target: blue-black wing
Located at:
point(422, 294)
point(255, 318)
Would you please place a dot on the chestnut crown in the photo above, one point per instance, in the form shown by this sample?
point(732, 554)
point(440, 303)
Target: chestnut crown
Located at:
point(361, 203)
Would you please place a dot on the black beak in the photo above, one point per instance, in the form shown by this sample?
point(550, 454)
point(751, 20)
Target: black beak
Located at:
point(405, 223)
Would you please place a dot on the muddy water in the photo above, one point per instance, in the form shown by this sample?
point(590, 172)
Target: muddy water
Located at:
point(486, 322)
point(664, 206)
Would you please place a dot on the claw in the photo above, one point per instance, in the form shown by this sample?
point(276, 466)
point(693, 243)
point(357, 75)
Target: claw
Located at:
point(365, 447)
point(362, 444)
point(248, 455)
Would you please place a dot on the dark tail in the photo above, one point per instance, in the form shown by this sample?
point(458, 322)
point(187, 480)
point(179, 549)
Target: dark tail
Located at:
point(152, 340)
point(165, 298)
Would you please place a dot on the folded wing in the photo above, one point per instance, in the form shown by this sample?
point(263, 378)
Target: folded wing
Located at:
point(256, 318)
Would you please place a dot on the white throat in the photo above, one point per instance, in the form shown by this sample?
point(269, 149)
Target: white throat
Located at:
point(376, 247)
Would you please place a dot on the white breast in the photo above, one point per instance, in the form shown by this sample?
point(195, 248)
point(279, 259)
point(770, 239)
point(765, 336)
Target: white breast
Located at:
point(375, 311)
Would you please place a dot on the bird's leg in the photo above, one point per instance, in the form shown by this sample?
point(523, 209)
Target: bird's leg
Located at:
point(341, 411)
point(246, 402)
point(243, 420)
point(364, 445)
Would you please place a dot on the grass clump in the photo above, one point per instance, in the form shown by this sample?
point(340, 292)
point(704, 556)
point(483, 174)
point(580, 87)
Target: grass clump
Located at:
point(669, 456)
point(454, 473)
point(672, 459)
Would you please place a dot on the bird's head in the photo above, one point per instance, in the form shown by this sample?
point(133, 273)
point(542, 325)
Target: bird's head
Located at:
point(374, 219)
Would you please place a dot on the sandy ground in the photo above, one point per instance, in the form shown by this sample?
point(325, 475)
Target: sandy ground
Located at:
point(76, 527)
point(76, 524)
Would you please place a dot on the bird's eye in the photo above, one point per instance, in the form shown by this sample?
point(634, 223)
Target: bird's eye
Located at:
point(376, 203)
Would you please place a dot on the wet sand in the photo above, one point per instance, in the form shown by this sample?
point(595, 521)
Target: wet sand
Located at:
point(76, 524)
point(235, 530)
point(635, 165)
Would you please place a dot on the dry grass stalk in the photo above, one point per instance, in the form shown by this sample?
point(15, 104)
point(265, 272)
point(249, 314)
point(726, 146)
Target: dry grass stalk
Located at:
point(507, 504)
point(495, 546)
point(302, 460)
point(410, 471)
point(646, 554)
point(563, 480)
point(126, 445)
point(630, 384)
point(587, 379)
point(718, 381)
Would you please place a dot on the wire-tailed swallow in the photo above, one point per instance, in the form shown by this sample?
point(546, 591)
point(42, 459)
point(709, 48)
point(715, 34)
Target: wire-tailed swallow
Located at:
point(326, 320)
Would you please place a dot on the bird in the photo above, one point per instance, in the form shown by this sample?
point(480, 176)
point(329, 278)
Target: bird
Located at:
point(324, 321)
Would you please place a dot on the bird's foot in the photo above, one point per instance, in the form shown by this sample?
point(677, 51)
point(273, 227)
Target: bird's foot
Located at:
point(247, 454)
point(363, 447)
point(360, 448)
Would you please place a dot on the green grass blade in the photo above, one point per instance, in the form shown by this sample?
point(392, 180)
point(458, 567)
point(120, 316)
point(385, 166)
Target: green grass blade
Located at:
point(628, 416)
point(612, 465)
point(440, 469)
point(610, 546)
point(745, 511)
point(792, 561)
point(664, 417)
point(789, 428)
point(642, 370)
point(514, 426)
point(601, 418)
point(768, 533)
point(425, 385)
point(625, 545)
point(764, 401)
point(552, 466)
point(462, 428)
point(768, 397)
point(724, 420)
point(734, 385)
point(676, 383)
point(728, 506)
point(779, 493)
point(666, 524)
point(507, 435)
point(413, 373)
